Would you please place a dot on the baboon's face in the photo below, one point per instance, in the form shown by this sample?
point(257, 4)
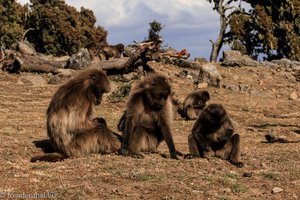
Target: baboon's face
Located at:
point(120, 47)
point(199, 103)
point(100, 85)
point(159, 93)
point(200, 100)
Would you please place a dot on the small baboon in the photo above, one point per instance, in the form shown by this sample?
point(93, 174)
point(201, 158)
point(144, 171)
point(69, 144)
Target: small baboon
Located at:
point(213, 133)
point(148, 117)
point(70, 126)
point(111, 51)
point(193, 104)
point(272, 139)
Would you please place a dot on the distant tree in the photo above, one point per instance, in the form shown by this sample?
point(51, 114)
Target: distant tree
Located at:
point(270, 28)
point(155, 28)
point(222, 7)
point(11, 23)
point(60, 29)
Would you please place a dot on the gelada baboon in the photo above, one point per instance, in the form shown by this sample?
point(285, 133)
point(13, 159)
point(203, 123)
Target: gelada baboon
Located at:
point(213, 133)
point(272, 139)
point(193, 104)
point(111, 51)
point(148, 117)
point(70, 126)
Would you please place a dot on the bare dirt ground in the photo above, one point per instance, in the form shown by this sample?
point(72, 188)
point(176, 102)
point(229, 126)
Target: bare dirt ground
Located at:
point(258, 108)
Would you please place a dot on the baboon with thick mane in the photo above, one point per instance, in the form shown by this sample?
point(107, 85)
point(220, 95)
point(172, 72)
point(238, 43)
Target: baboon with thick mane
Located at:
point(193, 104)
point(213, 133)
point(148, 117)
point(70, 125)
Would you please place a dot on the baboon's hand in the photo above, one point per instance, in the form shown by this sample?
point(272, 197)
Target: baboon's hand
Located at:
point(226, 137)
point(189, 156)
point(179, 153)
point(206, 148)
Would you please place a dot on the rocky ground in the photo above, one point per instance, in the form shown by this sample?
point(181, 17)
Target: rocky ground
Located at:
point(260, 100)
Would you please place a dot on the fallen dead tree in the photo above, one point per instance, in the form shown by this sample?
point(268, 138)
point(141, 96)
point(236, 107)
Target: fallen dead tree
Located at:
point(15, 62)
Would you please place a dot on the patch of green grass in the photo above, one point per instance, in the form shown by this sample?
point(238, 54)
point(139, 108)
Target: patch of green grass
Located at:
point(239, 188)
point(271, 176)
point(246, 109)
point(208, 178)
point(223, 198)
point(226, 182)
point(144, 177)
point(232, 176)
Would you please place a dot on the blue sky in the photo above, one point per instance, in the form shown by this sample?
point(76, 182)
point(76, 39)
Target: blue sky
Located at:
point(188, 24)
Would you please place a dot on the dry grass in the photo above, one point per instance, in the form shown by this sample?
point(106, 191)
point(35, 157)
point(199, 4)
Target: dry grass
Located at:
point(22, 121)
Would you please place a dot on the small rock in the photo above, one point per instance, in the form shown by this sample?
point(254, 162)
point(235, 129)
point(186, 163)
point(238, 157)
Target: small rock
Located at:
point(55, 80)
point(230, 54)
point(283, 62)
point(293, 96)
point(209, 73)
point(295, 65)
point(79, 60)
point(116, 191)
point(200, 60)
point(244, 87)
point(270, 64)
point(232, 87)
point(182, 74)
point(26, 48)
point(202, 85)
point(227, 190)
point(189, 77)
point(32, 79)
point(276, 190)
point(247, 174)
point(130, 76)
point(66, 72)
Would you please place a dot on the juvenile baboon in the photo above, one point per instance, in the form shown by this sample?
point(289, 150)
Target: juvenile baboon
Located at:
point(148, 117)
point(70, 126)
point(213, 133)
point(272, 139)
point(111, 51)
point(101, 122)
point(193, 104)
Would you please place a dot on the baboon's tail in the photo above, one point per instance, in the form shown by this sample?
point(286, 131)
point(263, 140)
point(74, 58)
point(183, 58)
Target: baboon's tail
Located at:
point(49, 157)
point(119, 137)
point(121, 124)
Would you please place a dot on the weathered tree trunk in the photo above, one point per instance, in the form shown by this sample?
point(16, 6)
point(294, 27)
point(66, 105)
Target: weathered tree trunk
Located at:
point(15, 63)
point(217, 45)
point(26, 63)
point(123, 65)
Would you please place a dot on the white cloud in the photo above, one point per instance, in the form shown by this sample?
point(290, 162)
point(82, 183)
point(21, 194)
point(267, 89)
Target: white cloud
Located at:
point(188, 23)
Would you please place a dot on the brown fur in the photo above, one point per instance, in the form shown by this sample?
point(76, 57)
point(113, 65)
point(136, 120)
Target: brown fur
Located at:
point(213, 133)
point(70, 124)
point(193, 104)
point(111, 51)
point(272, 139)
point(148, 117)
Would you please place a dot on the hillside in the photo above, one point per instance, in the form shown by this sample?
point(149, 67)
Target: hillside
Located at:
point(257, 99)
